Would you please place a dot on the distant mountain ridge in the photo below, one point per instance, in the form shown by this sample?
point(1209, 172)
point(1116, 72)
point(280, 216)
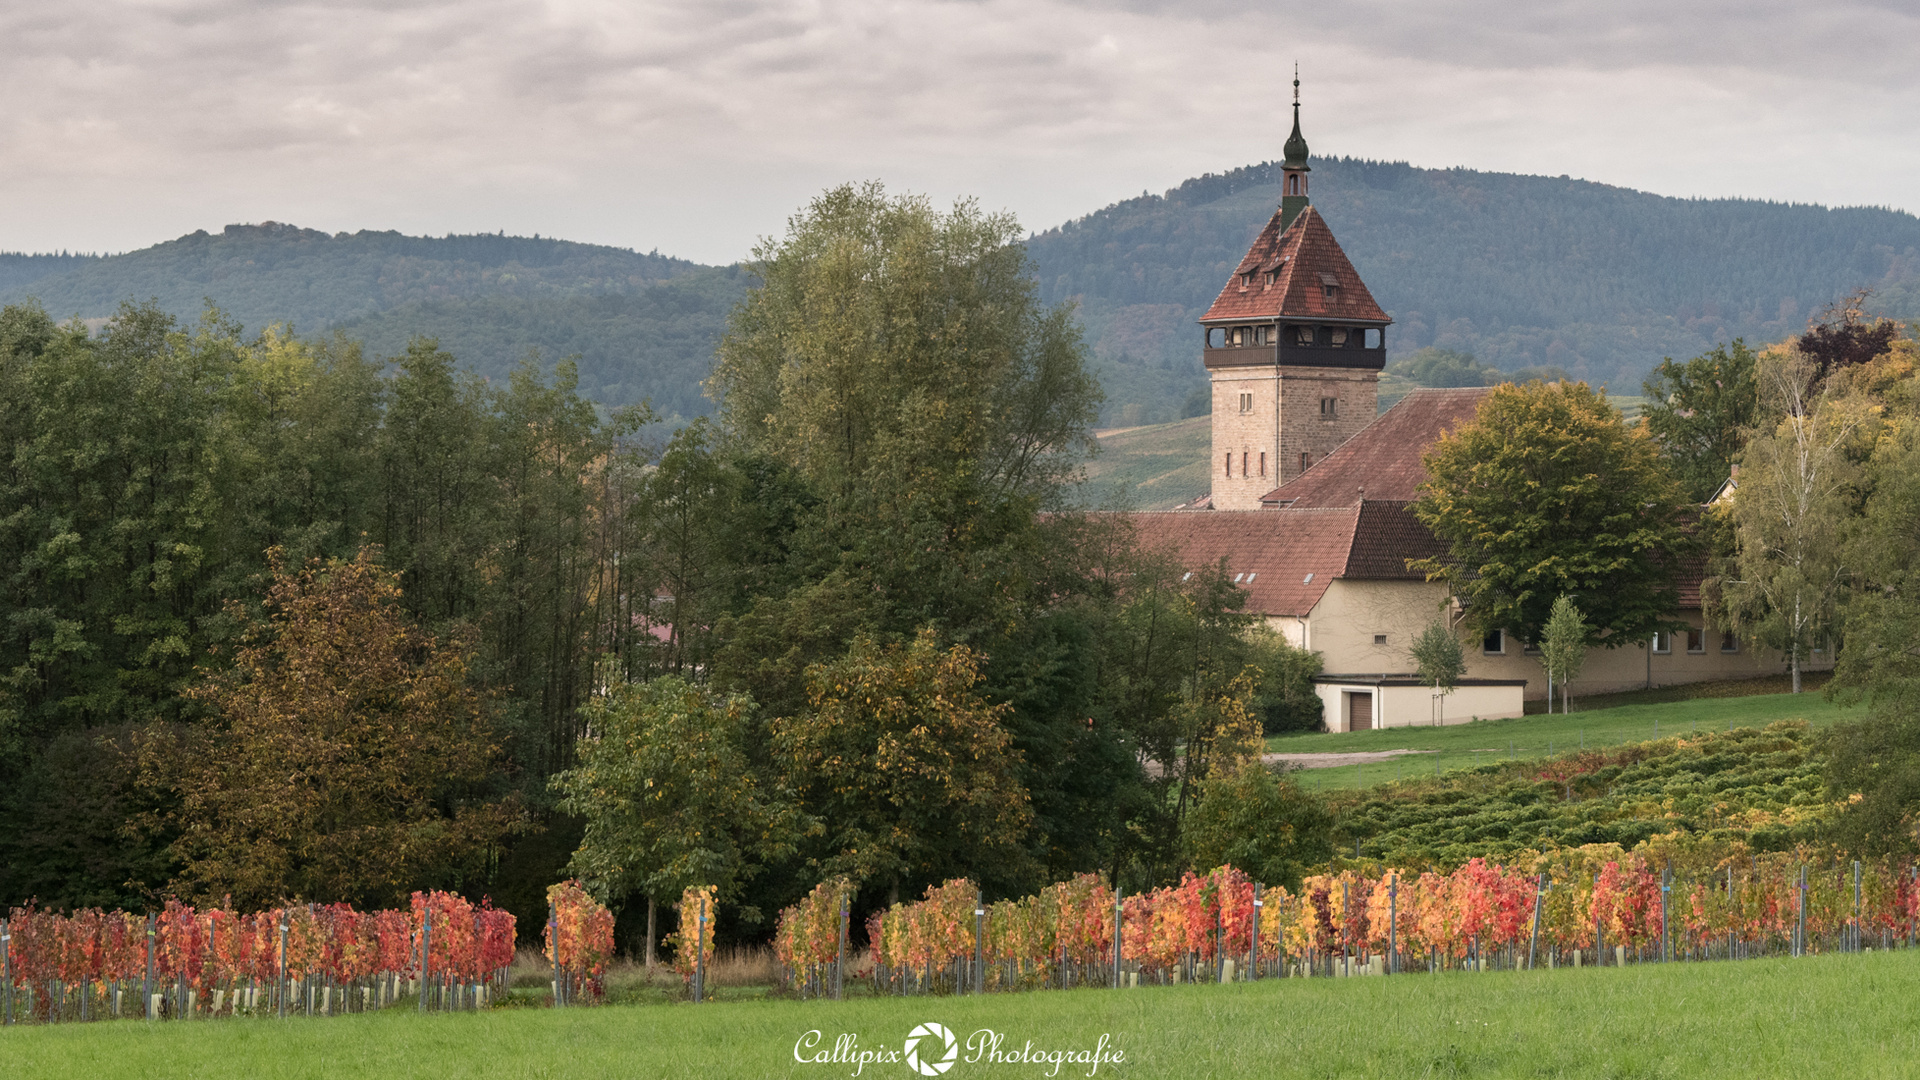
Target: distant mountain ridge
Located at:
point(1519, 270)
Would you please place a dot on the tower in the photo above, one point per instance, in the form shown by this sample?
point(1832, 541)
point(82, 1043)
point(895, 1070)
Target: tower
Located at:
point(1294, 347)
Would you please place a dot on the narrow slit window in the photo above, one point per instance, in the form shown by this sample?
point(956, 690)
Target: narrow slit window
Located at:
point(1306, 460)
point(1263, 463)
point(1229, 464)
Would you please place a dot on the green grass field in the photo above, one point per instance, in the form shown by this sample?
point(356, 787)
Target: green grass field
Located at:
point(1463, 745)
point(1817, 1016)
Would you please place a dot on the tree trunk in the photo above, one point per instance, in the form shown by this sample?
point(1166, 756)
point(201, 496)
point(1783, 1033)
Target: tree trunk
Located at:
point(650, 936)
point(1796, 667)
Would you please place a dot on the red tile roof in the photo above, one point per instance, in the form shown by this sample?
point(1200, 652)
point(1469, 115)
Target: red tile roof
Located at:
point(1385, 537)
point(1292, 556)
point(1383, 459)
point(1304, 258)
point(1285, 560)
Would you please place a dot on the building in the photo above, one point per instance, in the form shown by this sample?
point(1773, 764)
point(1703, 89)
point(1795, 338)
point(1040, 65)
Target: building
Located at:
point(1311, 491)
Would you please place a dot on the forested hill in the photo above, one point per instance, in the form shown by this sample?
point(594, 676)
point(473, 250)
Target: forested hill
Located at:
point(1519, 270)
point(643, 325)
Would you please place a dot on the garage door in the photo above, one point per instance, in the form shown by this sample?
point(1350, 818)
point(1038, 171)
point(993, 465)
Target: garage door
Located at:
point(1360, 712)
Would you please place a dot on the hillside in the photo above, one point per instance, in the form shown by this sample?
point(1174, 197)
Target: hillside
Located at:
point(1520, 270)
point(655, 344)
point(1156, 467)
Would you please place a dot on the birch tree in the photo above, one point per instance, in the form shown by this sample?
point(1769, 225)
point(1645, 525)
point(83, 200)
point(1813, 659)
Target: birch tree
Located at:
point(1798, 487)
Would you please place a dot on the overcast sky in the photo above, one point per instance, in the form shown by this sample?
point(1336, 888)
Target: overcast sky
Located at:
point(696, 128)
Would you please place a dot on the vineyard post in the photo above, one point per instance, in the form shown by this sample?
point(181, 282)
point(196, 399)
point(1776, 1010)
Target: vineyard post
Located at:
point(1119, 957)
point(553, 942)
point(1533, 940)
point(1856, 905)
point(1393, 923)
point(840, 958)
point(1599, 932)
point(146, 988)
point(1666, 887)
point(426, 956)
point(979, 944)
point(1800, 919)
point(280, 980)
point(1219, 954)
point(1253, 941)
point(6, 968)
point(700, 949)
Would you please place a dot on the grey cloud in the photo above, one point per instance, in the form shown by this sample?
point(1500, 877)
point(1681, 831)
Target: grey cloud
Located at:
point(696, 126)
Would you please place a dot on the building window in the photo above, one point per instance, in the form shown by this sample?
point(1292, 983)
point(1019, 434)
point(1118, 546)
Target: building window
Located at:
point(1246, 402)
point(1243, 463)
point(1263, 463)
point(1329, 408)
point(1495, 643)
point(1531, 648)
point(1306, 459)
point(1339, 335)
point(1229, 464)
point(1728, 642)
point(1305, 335)
point(1662, 642)
point(1246, 279)
point(1379, 639)
point(1696, 641)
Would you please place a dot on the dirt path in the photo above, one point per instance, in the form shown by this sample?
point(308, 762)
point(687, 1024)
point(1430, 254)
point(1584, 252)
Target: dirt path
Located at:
point(1330, 761)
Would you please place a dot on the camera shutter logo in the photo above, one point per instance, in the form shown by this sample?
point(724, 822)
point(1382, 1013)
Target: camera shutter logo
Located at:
point(938, 1041)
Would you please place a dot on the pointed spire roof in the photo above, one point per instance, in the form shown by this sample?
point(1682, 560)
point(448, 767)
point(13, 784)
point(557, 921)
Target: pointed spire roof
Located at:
point(1296, 145)
point(1302, 259)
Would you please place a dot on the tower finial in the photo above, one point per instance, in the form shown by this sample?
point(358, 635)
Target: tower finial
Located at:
point(1294, 168)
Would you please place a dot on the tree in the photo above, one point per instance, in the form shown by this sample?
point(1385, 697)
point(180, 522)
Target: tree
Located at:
point(1844, 336)
point(347, 758)
point(910, 770)
point(1563, 649)
point(1439, 661)
point(1700, 413)
point(1259, 821)
point(669, 797)
point(1284, 697)
point(1798, 489)
point(1548, 493)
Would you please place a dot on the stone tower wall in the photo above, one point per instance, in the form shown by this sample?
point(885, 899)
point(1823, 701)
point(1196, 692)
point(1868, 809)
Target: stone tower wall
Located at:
point(1283, 420)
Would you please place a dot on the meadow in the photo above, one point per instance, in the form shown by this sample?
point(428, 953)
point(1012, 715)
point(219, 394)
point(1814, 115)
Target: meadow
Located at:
point(1458, 746)
point(1819, 1015)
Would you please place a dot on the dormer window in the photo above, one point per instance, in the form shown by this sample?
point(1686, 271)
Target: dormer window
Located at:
point(1329, 286)
point(1246, 280)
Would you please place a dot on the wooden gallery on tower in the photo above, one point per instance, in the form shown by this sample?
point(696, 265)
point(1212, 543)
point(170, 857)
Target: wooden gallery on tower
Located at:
point(1311, 488)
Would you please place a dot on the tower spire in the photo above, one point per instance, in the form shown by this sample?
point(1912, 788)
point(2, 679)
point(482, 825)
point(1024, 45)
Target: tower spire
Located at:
point(1294, 169)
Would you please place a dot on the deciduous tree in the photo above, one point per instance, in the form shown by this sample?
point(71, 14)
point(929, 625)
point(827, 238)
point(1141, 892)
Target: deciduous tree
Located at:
point(669, 797)
point(346, 759)
point(1700, 413)
point(1546, 492)
point(910, 770)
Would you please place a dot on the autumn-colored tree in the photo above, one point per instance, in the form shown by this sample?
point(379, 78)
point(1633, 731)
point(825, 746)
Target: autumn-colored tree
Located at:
point(908, 767)
point(345, 755)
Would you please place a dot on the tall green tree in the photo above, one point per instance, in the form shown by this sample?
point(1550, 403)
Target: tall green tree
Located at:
point(1700, 413)
point(1546, 493)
